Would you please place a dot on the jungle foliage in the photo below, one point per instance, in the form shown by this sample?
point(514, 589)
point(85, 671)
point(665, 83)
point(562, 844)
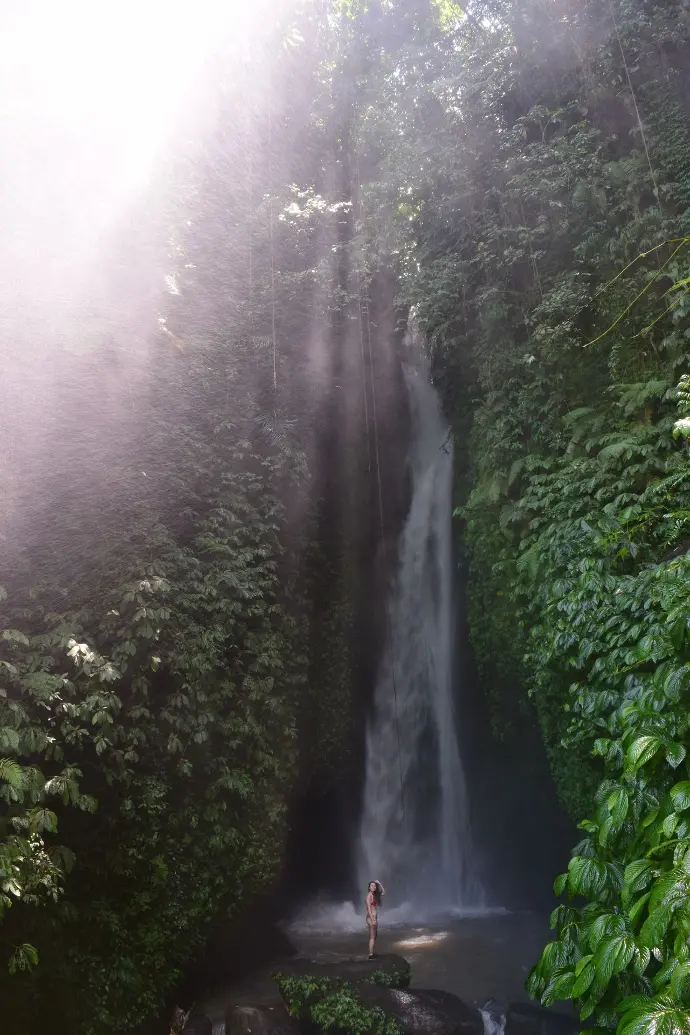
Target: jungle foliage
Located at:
point(178, 595)
point(531, 181)
point(332, 1004)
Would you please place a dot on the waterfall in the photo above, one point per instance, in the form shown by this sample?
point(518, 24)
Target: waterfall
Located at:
point(418, 842)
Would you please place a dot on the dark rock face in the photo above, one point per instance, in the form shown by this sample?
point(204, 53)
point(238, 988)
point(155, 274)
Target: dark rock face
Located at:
point(392, 971)
point(198, 1025)
point(235, 950)
point(424, 1012)
point(529, 1019)
point(260, 1020)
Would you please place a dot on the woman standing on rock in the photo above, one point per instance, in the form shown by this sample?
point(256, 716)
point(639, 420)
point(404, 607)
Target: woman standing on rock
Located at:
point(373, 901)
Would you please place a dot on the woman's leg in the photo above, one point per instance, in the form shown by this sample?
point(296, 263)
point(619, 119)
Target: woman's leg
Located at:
point(373, 932)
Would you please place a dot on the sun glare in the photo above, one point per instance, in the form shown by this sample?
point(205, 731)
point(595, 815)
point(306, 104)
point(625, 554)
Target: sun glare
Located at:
point(90, 90)
point(422, 941)
point(122, 65)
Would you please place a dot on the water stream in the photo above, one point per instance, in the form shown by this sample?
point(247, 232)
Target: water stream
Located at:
point(415, 834)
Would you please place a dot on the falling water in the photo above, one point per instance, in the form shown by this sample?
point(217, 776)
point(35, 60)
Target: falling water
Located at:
point(418, 841)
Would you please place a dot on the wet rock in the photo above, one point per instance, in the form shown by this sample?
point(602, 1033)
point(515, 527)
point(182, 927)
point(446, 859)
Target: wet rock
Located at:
point(422, 1012)
point(260, 1020)
point(198, 1024)
point(390, 970)
point(530, 1019)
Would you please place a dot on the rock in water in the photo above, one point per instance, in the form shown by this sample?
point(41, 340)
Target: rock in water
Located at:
point(390, 970)
point(260, 1020)
point(198, 1024)
point(424, 1012)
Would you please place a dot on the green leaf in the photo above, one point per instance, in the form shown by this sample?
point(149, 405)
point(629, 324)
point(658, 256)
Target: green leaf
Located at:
point(586, 876)
point(605, 926)
point(637, 875)
point(671, 887)
point(42, 820)
point(613, 956)
point(661, 1017)
point(12, 773)
point(618, 804)
point(675, 753)
point(24, 958)
point(681, 975)
point(642, 959)
point(584, 979)
point(560, 883)
point(680, 795)
point(559, 987)
point(641, 751)
point(669, 824)
point(637, 908)
point(655, 926)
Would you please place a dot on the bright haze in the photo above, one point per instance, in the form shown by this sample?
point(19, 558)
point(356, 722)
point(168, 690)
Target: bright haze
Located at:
point(90, 92)
point(98, 98)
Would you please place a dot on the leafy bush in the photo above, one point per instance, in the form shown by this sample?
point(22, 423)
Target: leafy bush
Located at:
point(333, 1004)
point(390, 978)
point(532, 185)
point(625, 952)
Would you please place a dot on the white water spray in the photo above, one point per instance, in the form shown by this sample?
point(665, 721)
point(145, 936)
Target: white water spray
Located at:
point(418, 842)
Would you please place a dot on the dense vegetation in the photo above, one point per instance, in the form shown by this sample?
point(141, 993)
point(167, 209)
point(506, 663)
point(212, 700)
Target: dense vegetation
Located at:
point(178, 584)
point(176, 647)
point(532, 180)
point(330, 1003)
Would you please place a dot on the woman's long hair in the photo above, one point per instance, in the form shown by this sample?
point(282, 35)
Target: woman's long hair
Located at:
point(377, 893)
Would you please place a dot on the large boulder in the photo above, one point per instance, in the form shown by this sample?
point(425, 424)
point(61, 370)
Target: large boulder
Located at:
point(390, 971)
point(198, 1024)
point(260, 1020)
point(421, 1012)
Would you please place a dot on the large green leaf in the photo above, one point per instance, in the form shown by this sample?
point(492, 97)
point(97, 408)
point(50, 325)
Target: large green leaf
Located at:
point(559, 987)
point(618, 804)
point(655, 926)
point(613, 956)
point(642, 750)
point(12, 773)
point(660, 1017)
point(560, 883)
point(586, 876)
point(637, 875)
point(680, 795)
point(605, 926)
point(638, 907)
point(584, 979)
point(675, 753)
point(671, 887)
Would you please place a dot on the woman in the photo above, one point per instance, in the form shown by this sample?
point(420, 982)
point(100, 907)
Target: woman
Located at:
point(373, 901)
